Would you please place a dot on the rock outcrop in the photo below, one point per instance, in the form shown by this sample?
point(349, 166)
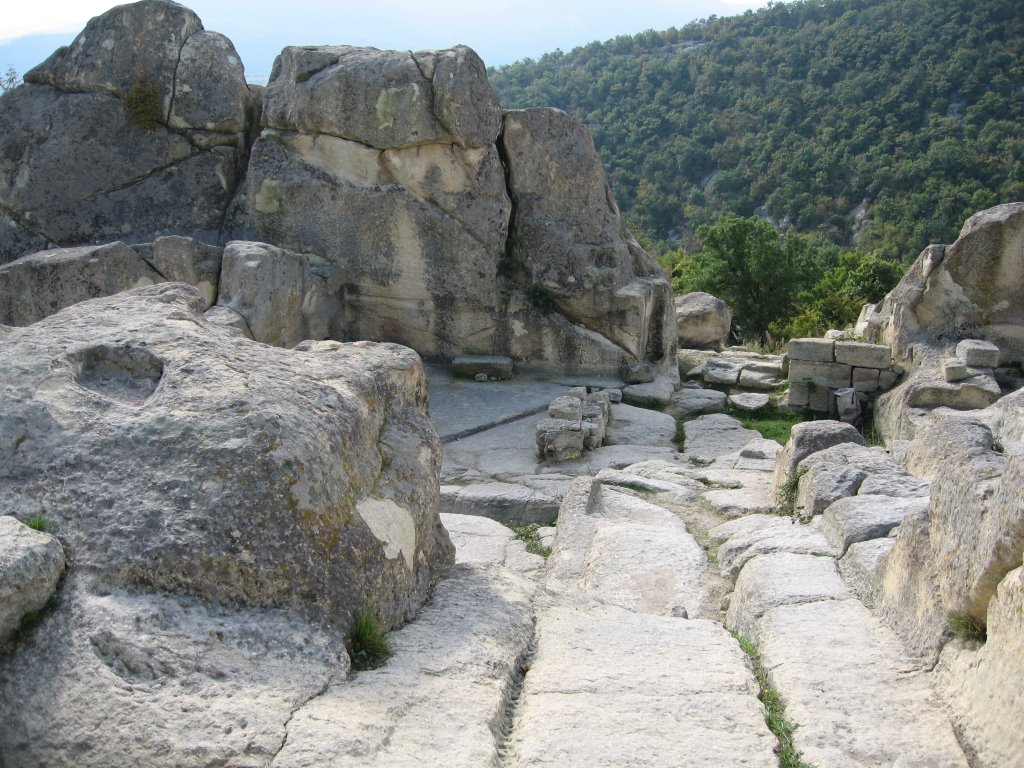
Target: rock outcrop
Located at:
point(389, 183)
point(169, 456)
point(136, 130)
point(31, 564)
point(970, 289)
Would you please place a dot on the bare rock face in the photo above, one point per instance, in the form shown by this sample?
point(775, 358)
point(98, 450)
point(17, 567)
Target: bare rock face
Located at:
point(31, 563)
point(703, 321)
point(569, 247)
point(40, 284)
point(135, 130)
point(168, 455)
point(971, 288)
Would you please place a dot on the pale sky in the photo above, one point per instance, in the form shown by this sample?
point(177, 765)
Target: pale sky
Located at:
point(501, 31)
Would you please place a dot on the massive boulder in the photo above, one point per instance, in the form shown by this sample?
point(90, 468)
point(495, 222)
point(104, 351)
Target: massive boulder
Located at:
point(137, 129)
point(970, 289)
point(167, 455)
point(703, 321)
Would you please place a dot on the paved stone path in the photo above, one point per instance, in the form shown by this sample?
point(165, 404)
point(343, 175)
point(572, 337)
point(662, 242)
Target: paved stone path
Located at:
point(618, 649)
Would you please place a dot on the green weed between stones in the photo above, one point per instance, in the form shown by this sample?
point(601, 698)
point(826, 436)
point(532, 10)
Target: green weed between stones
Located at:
point(367, 642)
point(528, 535)
point(773, 422)
point(37, 523)
point(967, 628)
point(774, 709)
point(786, 497)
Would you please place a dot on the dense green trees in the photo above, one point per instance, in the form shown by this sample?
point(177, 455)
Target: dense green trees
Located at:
point(883, 123)
point(780, 285)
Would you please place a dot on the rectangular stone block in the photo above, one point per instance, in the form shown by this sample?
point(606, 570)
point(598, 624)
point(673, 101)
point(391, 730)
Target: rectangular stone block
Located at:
point(820, 399)
point(861, 355)
point(977, 353)
point(865, 379)
point(494, 366)
point(954, 369)
point(831, 375)
point(799, 395)
point(811, 350)
point(757, 380)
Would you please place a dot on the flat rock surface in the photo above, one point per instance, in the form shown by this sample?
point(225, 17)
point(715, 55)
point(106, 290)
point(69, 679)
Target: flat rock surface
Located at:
point(630, 425)
point(600, 531)
point(846, 682)
point(481, 541)
point(508, 503)
point(693, 400)
point(782, 578)
point(711, 436)
point(859, 518)
point(434, 703)
point(613, 688)
point(799, 539)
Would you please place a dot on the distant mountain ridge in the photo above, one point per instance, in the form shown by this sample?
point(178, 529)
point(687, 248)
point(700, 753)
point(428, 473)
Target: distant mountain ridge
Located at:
point(883, 123)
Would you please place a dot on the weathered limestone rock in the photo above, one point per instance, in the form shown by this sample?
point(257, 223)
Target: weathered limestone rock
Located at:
point(862, 355)
point(845, 680)
point(80, 169)
point(697, 705)
point(750, 378)
point(639, 426)
point(39, 284)
point(31, 564)
point(861, 518)
point(977, 353)
point(284, 297)
point(810, 437)
point(955, 369)
point(722, 370)
point(559, 439)
point(703, 321)
point(714, 435)
point(812, 350)
point(122, 677)
point(229, 321)
point(861, 567)
point(979, 684)
point(656, 394)
point(570, 248)
point(823, 482)
point(827, 375)
point(639, 373)
point(749, 401)
point(939, 444)
point(693, 400)
point(743, 546)
point(782, 578)
point(439, 700)
point(974, 283)
point(600, 530)
point(170, 456)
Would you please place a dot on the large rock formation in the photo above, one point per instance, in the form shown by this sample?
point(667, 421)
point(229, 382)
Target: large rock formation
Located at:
point(167, 455)
point(424, 214)
point(135, 130)
point(970, 289)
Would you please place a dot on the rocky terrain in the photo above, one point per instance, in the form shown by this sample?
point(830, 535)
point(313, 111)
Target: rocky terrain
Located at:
point(206, 486)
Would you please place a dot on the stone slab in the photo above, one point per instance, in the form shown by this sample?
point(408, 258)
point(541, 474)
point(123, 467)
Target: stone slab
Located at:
point(734, 553)
point(506, 503)
point(978, 353)
point(827, 375)
point(630, 425)
point(861, 355)
point(594, 698)
point(714, 435)
point(860, 518)
point(692, 400)
point(656, 394)
point(601, 530)
point(861, 567)
point(810, 350)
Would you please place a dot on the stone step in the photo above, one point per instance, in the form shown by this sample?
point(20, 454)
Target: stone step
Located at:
point(611, 687)
point(613, 546)
point(845, 679)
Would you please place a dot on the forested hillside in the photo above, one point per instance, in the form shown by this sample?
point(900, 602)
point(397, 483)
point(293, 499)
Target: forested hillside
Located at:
point(801, 113)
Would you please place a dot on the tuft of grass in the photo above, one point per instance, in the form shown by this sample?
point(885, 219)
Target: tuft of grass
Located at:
point(368, 644)
point(142, 103)
point(774, 709)
point(528, 535)
point(680, 436)
point(38, 523)
point(967, 627)
point(773, 422)
point(786, 496)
